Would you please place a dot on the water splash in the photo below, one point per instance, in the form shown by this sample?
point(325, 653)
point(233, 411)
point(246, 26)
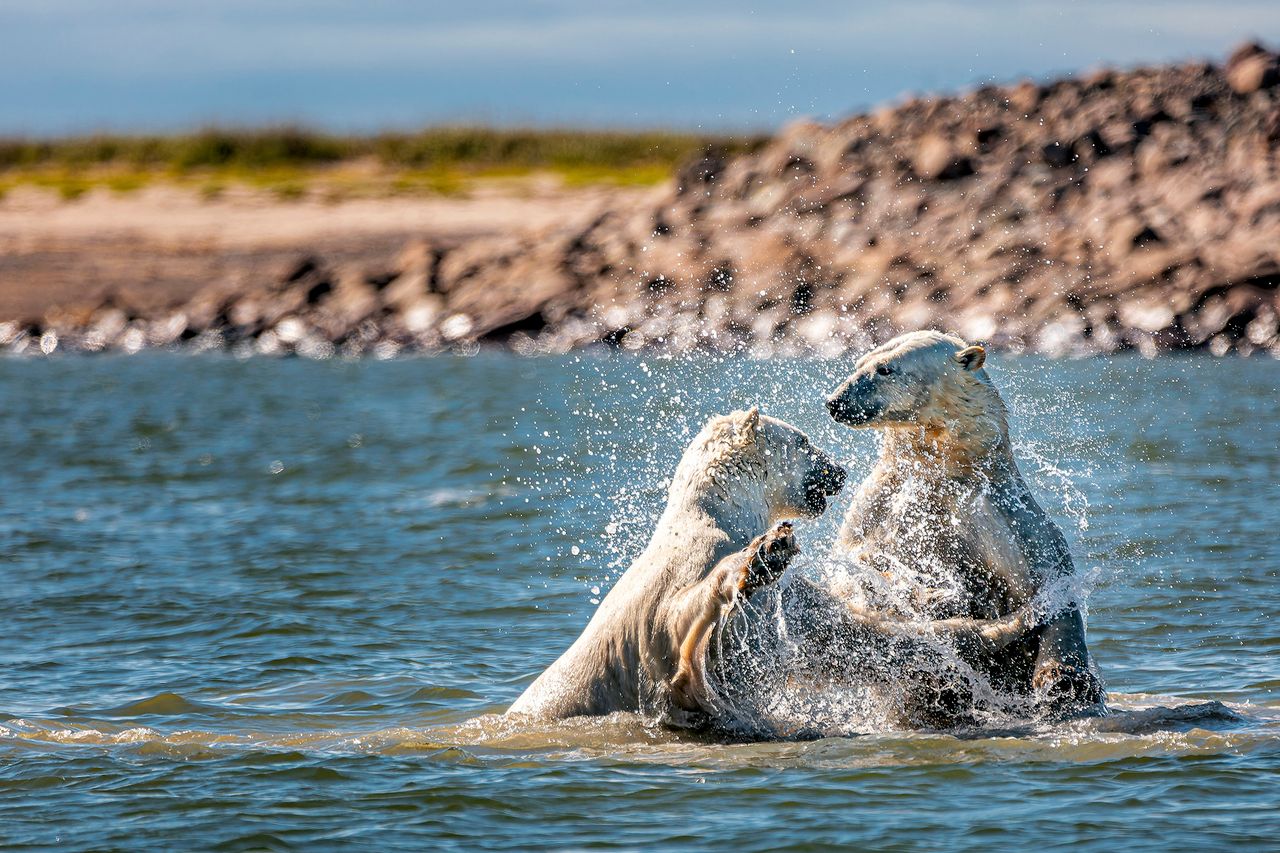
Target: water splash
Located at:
point(1141, 725)
point(633, 415)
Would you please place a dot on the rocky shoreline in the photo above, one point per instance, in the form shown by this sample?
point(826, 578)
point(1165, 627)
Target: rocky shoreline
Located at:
point(1115, 210)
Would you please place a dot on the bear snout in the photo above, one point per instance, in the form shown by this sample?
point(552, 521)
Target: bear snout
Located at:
point(845, 412)
point(820, 483)
point(831, 478)
point(855, 403)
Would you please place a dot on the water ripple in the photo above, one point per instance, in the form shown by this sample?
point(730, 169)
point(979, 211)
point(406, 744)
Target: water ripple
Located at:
point(203, 651)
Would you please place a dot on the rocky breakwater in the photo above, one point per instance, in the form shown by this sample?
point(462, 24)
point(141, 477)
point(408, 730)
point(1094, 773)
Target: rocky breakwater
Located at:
point(1115, 210)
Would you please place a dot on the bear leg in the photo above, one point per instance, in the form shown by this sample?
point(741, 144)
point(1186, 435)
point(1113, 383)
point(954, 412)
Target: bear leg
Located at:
point(1063, 681)
point(770, 554)
point(977, 635)
point(708, 602)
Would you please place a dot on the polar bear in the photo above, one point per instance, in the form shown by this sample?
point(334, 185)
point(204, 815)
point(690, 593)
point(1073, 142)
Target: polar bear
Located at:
point(645, 648)
point(946, 516)
point(655, 644)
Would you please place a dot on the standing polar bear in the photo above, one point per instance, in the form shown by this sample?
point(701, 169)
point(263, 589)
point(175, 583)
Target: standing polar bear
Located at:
point(671, 635)
point(947, 518)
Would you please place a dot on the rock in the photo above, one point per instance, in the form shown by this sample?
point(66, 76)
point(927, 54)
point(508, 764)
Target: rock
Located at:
point(700, 173)
point(1252, 67)
point(1057, 155)
point(936, 159)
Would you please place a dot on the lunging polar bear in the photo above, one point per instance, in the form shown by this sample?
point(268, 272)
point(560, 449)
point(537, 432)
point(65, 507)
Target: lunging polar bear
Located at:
point(647, 645)
point(946, 510)
point(653, 644)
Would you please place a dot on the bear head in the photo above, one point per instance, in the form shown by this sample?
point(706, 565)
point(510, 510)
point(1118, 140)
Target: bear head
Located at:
point(921, 379)
point(758, 462)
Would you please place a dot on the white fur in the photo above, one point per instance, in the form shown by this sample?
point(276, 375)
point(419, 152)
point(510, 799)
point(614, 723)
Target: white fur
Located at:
point(741, 473)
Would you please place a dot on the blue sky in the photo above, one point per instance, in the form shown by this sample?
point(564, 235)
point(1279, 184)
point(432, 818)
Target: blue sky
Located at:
point(76, 65)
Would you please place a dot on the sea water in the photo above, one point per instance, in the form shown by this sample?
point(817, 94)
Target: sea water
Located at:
point(267, 604)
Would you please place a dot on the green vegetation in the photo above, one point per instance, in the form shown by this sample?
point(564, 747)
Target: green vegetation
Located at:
point(292, 162)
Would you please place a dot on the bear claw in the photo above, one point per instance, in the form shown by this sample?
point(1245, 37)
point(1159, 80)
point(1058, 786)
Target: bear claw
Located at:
point(772, 552)
point(1066, 688)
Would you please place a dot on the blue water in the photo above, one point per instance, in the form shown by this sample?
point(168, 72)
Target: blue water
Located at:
point(275, 604)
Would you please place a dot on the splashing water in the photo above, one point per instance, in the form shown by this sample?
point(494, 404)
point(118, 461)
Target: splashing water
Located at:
point(660, 406)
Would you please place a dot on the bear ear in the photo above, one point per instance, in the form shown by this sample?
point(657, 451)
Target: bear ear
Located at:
point(971, 358)
point(745, 425)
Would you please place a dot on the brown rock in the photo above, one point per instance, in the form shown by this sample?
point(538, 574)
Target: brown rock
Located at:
point(936, 159)
point(1252, 67)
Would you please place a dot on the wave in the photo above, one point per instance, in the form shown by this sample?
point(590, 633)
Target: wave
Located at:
point(162, 704)
point(1140, 725)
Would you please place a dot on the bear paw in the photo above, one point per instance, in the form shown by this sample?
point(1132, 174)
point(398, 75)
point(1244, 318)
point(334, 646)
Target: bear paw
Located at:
point(771, 553)
point(1066, 689)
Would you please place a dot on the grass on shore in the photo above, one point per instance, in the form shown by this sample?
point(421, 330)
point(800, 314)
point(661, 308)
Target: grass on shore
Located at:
point(292, 162)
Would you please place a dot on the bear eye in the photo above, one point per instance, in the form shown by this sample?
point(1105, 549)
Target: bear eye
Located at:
point(884, 369)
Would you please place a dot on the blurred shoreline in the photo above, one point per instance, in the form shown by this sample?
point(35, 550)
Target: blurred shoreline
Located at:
point(1112, 211)
point(149, 252)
